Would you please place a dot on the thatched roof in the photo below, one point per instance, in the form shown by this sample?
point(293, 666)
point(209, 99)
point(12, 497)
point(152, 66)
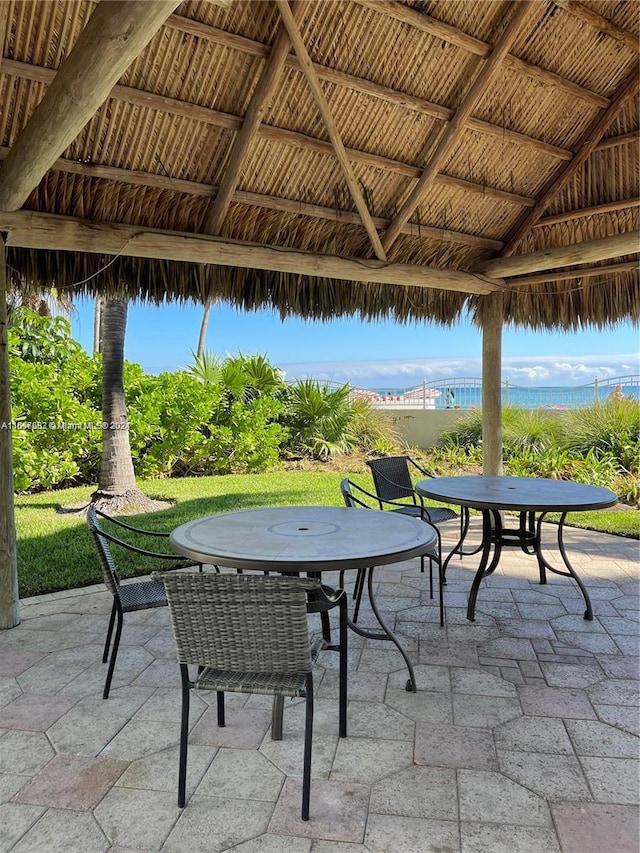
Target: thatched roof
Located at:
point(516, 122)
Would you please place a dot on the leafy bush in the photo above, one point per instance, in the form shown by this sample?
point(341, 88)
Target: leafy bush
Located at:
point(609, 428)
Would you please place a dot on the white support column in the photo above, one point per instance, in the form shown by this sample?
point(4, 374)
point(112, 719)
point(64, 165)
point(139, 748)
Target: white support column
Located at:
point(9, 603)
point(491, 384)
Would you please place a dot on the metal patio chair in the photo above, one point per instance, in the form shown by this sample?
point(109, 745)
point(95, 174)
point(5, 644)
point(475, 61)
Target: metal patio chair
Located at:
point(393, 483)
point(355, 496)
point(132, 595)
point(250, 634)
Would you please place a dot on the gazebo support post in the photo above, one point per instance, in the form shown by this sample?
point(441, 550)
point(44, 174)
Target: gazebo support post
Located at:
point(9, 602)
point(491, 384)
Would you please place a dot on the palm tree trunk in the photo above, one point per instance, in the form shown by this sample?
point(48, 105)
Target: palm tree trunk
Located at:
point(117, 489)
point(97, 324)
point(202, 339)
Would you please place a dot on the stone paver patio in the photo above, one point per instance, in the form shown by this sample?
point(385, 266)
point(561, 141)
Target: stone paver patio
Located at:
point(522, 738)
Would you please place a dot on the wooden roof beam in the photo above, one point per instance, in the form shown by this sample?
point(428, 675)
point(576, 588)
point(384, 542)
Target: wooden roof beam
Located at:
point(590, 140)
point(596, 210)
point(150, 100)
point(453, 133)
point(604, 25)
point(268, 202)
point(47, 231)
point(615, 141)
point(332, 129)
point(375, 90)
point(115, 34)
point(585, 272)
point(590, 251)
point(260, 101)
point(452, 35)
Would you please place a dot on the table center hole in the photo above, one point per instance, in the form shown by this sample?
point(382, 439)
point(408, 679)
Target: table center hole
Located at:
point(303, 528)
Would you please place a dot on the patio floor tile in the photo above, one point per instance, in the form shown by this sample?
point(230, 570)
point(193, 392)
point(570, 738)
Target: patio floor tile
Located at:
point(556, 702)
point(15, 820)
point(25, 753)
point(14, 662)
point(599, 739)
point(613, 780)
point(482, 837)
point(135, 818)
point(61, 831)
point(455, 746)
point(338, 811)
point(555, 777)
point(425, 792)
point(593, 827)
point(252, 778)
point(492, 798)
point(73, 782)
point(368, 760)
point(35, 713)
point(392, 834)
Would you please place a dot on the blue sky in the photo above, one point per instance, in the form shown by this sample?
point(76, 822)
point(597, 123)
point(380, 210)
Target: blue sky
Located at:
point(371, 355)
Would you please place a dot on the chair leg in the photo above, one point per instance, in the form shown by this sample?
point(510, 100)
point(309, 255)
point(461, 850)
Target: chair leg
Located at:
point(114, 653)
point(220, 704)
point(430, 577)
point(422, 564)
point(358, 589)
point(105, 654)
point(276, 716)
point(184, 734)
point(308, 736)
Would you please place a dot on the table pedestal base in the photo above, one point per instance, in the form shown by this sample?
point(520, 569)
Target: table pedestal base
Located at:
point(527, 536)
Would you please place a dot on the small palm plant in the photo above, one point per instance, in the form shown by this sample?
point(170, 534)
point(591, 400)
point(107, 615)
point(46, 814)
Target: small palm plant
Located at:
point(207, 368)
point(320, 419)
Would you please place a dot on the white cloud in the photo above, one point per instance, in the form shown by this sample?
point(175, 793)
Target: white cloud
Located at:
point(525, 370)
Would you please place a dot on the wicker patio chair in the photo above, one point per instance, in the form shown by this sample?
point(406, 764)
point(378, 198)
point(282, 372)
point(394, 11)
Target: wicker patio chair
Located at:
point(250, 634)
point(355, 496)
point(133, 595)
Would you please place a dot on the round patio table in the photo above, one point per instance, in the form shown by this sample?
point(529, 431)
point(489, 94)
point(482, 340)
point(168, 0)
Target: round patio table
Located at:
point(311, 539)
point(528, 496)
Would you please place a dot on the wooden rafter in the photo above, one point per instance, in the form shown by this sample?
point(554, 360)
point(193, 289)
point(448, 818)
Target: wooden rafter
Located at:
point(260, 101)
point(456, 127)
point(330, 124)
point(590, 251)
point(588, 143)
point(115, 34)
point(46, 231)
point(215, 118)
point(452, 35)
point(615, 141)
point(585, 272)
point(138, 178)
point(369, 87)
point(596, 210)
point(604, 25)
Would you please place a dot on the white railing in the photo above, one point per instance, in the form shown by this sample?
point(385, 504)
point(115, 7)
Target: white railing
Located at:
point(466, 393)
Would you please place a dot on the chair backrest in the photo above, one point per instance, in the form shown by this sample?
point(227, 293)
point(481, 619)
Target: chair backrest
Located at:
point(391, 478)
point(101, 543)
point(350, 500)
point(240, 623)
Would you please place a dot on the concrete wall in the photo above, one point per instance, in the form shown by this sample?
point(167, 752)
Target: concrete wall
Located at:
point(423, 427)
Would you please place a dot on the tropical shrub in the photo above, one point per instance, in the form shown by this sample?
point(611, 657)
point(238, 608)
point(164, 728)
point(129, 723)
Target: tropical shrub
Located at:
point(320, 419)
point(56, 428)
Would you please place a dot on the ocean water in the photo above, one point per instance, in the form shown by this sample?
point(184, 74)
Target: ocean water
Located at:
point(468, 394)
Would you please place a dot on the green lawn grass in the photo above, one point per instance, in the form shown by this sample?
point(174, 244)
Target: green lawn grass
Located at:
point(55, 551)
